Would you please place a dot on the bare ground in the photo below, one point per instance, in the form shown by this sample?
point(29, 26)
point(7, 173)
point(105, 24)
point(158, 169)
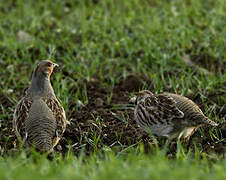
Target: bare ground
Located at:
point(100, 124)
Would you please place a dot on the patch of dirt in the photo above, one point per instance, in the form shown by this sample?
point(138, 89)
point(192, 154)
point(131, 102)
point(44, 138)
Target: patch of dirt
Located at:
point(132, 83)
point(7, 136)
point(102, 124)
point(113, 123)
point(208, 144)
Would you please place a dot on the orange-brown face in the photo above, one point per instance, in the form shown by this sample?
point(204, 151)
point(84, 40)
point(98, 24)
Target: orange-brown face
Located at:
point(46, 67)
point(143, 94)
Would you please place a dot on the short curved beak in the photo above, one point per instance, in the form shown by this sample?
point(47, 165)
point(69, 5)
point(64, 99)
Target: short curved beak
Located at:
point(55, 65)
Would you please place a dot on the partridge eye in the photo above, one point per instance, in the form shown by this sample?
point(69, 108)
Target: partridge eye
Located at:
point(49, 64)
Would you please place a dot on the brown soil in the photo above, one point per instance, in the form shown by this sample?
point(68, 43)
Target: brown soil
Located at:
point(109, 124)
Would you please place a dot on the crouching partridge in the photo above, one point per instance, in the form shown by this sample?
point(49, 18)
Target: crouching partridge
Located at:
point(39, 119)
point(169, 115)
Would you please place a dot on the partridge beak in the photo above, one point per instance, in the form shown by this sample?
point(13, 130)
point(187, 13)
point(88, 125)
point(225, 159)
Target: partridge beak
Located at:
point(55, 65)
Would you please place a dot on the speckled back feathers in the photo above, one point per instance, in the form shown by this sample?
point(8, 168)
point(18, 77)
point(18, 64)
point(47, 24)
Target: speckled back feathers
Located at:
point(166, 114)
point(39, 119)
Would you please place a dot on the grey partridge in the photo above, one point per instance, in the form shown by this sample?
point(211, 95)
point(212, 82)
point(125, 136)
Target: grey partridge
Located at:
point(39, 118)
point(169, 115)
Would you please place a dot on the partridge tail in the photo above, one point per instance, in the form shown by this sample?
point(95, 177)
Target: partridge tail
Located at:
point(44, 146)
point(210, 122)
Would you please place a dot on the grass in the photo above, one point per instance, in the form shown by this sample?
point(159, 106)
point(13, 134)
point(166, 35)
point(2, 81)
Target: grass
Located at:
point(110, 40)
point(110, 166)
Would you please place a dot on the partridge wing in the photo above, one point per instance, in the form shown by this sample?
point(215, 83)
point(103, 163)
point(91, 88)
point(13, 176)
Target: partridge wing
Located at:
point(166, 108)
point(20, 116)
point(192, 112)
point(59, 114)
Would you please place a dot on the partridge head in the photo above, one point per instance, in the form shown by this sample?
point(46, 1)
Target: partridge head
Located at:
point(39, 118)
point(168, 114)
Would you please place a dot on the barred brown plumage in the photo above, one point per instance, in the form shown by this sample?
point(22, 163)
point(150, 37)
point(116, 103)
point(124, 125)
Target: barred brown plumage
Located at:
point(168, 114)
point(39, 119)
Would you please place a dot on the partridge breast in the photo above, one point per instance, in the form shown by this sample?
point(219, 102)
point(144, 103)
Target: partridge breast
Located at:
point(40, 125)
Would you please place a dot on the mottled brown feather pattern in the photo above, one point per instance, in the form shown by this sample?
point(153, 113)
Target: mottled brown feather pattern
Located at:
point(167, 114)
point(20, 115)
point(59, 113)
point(191, 110)
point(58, 125)
point(39, 119)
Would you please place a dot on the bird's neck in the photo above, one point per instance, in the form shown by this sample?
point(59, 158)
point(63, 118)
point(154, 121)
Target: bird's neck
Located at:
point(41, 86)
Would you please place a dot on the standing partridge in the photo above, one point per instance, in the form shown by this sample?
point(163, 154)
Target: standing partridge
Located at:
point(39, 119)
point(169, 114)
